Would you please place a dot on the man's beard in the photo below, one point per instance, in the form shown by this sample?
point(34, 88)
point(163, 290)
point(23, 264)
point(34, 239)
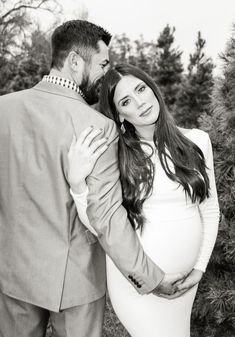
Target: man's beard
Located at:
point(91, 90)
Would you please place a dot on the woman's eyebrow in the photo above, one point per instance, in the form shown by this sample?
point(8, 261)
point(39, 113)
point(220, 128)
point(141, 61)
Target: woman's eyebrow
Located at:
point(134, 89)
point(138, 85)
point(122, 99)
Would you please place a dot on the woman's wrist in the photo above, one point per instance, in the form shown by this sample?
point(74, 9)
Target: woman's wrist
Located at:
point(79, 188)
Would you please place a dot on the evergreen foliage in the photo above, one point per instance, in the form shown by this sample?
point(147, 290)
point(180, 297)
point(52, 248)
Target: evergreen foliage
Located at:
point(121, 49)
point(215, 305)
point(32, 64)
point(194, 96)
point(168, 68)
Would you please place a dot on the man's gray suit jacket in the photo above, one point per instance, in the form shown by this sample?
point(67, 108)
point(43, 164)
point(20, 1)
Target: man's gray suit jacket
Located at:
point(47, 256)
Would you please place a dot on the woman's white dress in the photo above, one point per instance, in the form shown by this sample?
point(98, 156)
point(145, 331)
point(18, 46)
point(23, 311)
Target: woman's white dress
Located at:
point(178, 236)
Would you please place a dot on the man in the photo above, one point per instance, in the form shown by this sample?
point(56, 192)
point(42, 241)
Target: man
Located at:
point(51, 265)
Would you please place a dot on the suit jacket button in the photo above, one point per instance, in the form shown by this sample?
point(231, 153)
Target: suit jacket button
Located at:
point(139, 286)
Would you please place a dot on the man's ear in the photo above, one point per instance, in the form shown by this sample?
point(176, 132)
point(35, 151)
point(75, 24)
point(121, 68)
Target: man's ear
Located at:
point(75, 61)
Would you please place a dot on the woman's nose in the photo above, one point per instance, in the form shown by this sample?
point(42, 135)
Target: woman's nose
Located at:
point(139, 102)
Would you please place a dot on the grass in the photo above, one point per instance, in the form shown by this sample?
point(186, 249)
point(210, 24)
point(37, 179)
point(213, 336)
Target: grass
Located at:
point(112, 325)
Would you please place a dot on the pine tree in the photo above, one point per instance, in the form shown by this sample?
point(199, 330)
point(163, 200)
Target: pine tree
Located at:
point(15, 19)
point(167, 70)
point(140, 53)
point(38, 45)
point(121, 49)
point(14, 31)
point(145, 55)
point(194, 96)
point(214, 309)
point(32, 64)
point(8, 69)
point(27, 75)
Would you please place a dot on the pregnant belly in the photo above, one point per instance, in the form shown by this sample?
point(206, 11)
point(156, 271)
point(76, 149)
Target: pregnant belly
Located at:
point(172, 243)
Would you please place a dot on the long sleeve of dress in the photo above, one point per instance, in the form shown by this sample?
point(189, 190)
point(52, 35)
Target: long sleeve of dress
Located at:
point(81, 205)
point(209, 212)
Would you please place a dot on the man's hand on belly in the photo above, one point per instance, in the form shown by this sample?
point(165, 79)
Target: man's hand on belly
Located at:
point(191, 280)
point(182, 286)
point(168, 286)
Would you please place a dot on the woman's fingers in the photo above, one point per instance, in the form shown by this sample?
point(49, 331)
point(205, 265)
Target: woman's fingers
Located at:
point(84, 134)
point(101, 150)
point(91, 137)
point(86, 141)
point(98, 143)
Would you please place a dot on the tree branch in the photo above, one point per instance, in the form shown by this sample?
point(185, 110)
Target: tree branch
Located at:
point(18, 8)
point(12, 21)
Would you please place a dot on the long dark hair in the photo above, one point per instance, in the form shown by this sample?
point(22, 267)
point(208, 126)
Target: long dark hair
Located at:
point(136, 167)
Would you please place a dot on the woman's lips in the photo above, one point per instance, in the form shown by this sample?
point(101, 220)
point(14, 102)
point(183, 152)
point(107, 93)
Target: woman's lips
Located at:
point(146, 112)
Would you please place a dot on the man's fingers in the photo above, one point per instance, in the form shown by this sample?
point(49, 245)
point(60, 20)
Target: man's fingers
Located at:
point(186, 285)
point(179, 282)
point(163, 295)
point(166, 290)
point(178, 277)
point(183, 286)
point(173, 296)
point(178, 294)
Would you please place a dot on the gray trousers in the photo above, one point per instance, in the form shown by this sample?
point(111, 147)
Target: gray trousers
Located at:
point(21, 319)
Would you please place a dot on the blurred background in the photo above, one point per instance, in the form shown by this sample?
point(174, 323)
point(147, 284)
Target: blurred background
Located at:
point(188, 47)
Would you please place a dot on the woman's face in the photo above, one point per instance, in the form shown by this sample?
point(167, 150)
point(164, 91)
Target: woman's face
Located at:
point(136, 102)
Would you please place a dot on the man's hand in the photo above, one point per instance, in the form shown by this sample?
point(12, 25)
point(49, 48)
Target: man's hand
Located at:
point(182, 286)
point(168, 285)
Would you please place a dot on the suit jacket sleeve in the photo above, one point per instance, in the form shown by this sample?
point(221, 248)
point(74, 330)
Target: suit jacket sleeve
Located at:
point(109, 219)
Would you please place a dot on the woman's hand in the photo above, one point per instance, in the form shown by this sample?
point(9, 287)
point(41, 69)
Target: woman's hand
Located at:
point(191, 280)
point(82, 156)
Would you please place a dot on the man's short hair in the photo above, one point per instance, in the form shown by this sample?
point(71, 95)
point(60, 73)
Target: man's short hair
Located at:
point(78, 35)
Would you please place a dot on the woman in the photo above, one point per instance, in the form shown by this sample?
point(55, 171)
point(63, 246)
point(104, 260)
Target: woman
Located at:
point(169, 193)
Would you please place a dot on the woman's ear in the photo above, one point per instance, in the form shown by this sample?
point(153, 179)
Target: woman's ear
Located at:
point(121, 119)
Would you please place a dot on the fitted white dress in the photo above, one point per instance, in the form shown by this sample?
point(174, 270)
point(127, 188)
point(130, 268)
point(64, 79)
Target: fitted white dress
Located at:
point(178, 236)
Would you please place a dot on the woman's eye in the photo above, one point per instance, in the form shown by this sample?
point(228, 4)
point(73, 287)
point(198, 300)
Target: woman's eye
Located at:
point(142, 88)
point(126, 102)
